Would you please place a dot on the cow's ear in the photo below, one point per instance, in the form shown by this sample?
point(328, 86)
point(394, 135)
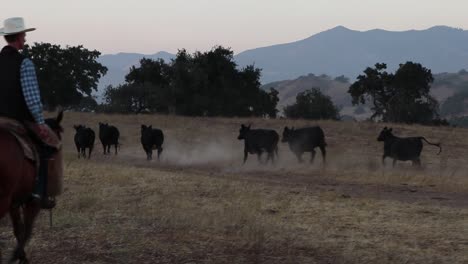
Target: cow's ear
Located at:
point(75, 127)
point(242, 126)
point(143, 127)
point(385, 128)
point(286, 128)
point(390, 130)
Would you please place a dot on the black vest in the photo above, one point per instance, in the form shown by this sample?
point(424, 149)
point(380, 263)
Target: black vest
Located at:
point(12, 103)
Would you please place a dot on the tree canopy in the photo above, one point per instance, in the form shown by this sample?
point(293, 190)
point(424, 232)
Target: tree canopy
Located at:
point(312, 104)
point(65, 75)
point(199, 84)
point(402, 96)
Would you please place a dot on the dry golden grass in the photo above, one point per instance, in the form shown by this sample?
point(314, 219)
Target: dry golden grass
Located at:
point(199, 205)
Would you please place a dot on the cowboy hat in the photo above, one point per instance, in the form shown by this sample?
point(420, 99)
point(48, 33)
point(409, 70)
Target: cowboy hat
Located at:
point(13, 26)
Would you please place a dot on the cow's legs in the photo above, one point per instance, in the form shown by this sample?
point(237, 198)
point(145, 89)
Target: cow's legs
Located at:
point(259, 157)
point(79, 150)
point(116, 146)
point(149, 154)
point(272, 156)
point(324, 153)
point(312, 156)
point(394, 162)
point(108, 149)
point(104, 148)
point(90, 151)
point(245, 156)
point(160, 150)
point(417, 162)
point(299, 157)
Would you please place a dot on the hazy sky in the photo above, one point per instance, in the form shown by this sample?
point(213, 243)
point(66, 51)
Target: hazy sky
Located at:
point(148, 26)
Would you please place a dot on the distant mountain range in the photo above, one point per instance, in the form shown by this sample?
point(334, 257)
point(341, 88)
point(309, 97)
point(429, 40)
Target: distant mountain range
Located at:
point(341, 51)
point(335, 52)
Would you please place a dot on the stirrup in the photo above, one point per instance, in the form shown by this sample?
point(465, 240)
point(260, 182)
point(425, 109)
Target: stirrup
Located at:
point(48, 203)
point(35, 196)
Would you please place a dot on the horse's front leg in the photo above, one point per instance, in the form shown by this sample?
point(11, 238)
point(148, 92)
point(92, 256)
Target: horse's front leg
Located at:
point(30, 213)
point(23, 226)
point(19, 232)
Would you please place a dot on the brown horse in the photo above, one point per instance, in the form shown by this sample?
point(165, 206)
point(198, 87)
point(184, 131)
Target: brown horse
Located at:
point(17, 179)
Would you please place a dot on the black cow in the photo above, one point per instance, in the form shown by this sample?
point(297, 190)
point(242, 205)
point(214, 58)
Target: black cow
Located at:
point(305, 140)
point(84, 139)
point(403, 149)
point(109, 135)
point(257, 141)
point(151, 138)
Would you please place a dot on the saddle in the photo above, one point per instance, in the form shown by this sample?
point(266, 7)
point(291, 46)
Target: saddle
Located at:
point(21, 134)
point(29, 139)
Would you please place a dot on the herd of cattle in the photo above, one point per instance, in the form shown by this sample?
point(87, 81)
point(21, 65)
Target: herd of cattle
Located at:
point(256, 142)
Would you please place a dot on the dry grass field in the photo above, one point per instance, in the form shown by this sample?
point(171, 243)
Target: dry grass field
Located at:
point(200, 205)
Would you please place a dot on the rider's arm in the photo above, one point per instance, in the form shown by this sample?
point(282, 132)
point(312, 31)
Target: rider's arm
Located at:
point(31, 93)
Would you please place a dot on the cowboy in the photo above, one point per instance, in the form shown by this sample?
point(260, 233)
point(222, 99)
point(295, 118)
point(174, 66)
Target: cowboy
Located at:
point(20, 97)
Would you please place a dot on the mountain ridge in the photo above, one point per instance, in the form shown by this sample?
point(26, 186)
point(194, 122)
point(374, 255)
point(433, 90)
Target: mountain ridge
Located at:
point(334, 52)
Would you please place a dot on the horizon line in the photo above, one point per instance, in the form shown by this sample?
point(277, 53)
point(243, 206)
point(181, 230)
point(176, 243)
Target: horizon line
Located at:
point(294, 41)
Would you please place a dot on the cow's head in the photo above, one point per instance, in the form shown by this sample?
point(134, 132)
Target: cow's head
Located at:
point(103, 125)
point(146, 131)
point(78, 127)
point(145, 128)
point(243, 132)
point(287, 134)
point(385, 134)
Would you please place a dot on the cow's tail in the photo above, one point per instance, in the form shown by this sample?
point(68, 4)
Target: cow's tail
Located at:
point(433, 144)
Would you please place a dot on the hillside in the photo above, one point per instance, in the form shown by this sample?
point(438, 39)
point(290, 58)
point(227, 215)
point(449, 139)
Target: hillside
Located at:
point(334, 87)
point(446, 85)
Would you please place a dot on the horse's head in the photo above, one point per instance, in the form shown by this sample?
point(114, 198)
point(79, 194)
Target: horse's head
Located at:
point(55, 174)
point(55, 124)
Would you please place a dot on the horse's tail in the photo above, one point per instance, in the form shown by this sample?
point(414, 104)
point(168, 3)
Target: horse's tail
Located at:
point(433, 144)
